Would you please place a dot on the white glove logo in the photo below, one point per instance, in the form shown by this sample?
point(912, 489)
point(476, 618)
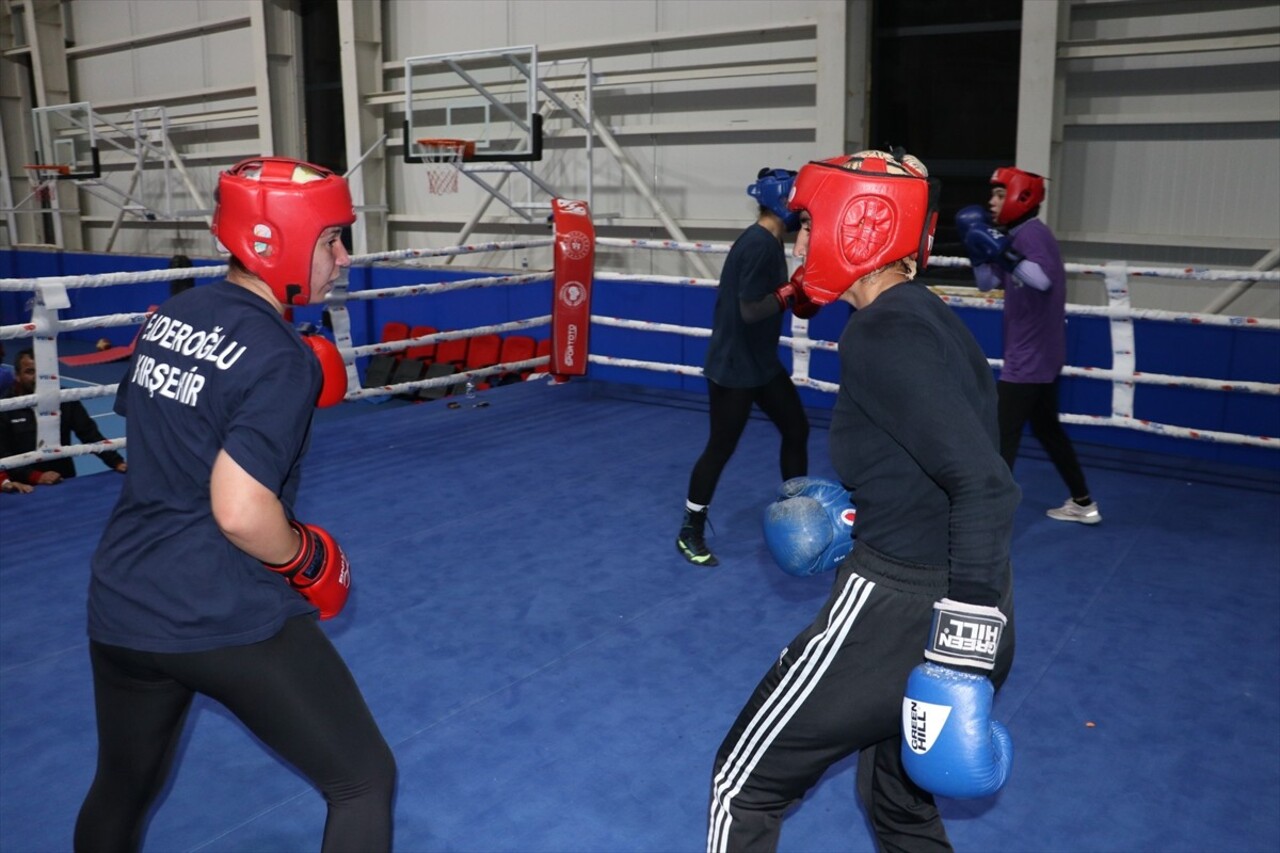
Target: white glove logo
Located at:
point(923, 722)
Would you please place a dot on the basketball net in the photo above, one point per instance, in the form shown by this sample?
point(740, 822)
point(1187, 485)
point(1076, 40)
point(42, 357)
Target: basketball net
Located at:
point(444, 159)
point(41, 178)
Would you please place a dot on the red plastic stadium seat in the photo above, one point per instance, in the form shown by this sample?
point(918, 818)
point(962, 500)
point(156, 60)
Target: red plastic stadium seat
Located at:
point(483, 351)
point(452, 352)
point(393, 331)
point(516, 348)
point(381, 367)
point(425, 353)
point(544, 348)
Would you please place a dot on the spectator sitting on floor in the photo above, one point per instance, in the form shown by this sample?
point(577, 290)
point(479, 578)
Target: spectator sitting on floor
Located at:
point(18, 435)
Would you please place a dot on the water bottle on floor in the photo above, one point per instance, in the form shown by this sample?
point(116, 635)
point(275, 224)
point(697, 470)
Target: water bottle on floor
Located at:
point(470, 392)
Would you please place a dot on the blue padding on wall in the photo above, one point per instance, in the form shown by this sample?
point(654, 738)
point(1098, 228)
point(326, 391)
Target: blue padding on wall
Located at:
point(87, 301)
point(658, 303)
point(1226, 353)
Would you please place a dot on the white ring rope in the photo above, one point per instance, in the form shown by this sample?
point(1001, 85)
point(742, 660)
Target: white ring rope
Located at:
point(1123, 380)
point(451, 379)
point(1191, 273)
point(1140, 378)
point(652, 326)
point(8, 404)
point(807, 343)
point(62, 452)
point(408, 343)
point(1087, 372)
point(1117, 313)
point(658, 279)
point(44, 326)
point(111, 279)
point(1167, 429)
point(655, 366)
point(445, 287)
point(664, 245)
point(220, 270)
point(402, 254)
point(51, 296)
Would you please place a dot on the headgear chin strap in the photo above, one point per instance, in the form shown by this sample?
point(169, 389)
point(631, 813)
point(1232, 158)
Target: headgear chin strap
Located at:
point(1023, 193)
point(271, 212)
point(868, 209)
point(771, 190)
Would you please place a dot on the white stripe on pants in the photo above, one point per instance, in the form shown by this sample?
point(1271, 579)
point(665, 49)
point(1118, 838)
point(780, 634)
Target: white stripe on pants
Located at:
point(782, 704)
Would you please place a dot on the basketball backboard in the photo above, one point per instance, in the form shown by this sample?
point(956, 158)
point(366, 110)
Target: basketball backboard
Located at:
point(65, 138)
point(488, 97)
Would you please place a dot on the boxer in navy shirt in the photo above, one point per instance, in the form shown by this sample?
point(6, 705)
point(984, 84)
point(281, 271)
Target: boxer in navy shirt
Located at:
point(203, 581)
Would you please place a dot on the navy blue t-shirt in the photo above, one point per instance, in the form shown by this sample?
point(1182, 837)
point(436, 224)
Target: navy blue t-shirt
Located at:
point(215, 368)
point(742, 354)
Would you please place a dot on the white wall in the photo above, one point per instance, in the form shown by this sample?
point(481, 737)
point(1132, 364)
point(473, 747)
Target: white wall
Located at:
point(1169, 142)
point(736, 123)
point(201, 63)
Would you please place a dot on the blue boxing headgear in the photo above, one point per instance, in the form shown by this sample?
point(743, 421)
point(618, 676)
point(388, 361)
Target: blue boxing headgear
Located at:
point(809, 528)
point(771, 191)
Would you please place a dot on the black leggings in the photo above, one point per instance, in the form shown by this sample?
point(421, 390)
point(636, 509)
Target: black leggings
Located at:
point(1037, 404)
point(293, 691)
point(730, 410)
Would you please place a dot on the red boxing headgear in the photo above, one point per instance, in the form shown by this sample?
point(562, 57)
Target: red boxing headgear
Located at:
point(1023, 192)
point(270, 214)
point(867, 210)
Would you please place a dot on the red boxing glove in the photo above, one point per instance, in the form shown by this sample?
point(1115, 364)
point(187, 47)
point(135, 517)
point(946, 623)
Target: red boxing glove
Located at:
point(791, 295)
point(801, 305)
point(319, 571)
point(332, 368)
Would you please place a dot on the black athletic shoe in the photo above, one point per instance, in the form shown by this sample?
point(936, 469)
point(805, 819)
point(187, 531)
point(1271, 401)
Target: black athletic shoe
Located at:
point(692, 543)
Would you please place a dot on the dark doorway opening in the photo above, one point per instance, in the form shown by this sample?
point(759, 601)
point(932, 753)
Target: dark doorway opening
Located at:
point(945, 88)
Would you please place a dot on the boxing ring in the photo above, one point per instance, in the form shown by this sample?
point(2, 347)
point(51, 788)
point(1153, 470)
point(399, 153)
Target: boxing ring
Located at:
point(552, 676)
point(51, 295)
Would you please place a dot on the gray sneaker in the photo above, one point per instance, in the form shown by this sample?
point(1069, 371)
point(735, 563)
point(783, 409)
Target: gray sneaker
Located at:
point(1072, 511)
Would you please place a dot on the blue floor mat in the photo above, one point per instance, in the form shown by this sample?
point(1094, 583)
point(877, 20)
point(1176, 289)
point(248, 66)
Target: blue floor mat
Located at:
point(552, 676)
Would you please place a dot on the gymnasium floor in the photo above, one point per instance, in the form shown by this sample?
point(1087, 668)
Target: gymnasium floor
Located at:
point(553, 677)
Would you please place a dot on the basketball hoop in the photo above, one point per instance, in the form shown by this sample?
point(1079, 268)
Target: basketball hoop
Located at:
point(444, 159)
point(41, 177)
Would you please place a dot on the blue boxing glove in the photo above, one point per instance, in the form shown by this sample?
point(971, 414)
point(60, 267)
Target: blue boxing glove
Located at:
point(950, 744)
point(809, 528)
point(973, 216)
point(986, 244)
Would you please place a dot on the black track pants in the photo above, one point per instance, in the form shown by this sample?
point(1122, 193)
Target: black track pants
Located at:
point(293, 691)
point(835, 689)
